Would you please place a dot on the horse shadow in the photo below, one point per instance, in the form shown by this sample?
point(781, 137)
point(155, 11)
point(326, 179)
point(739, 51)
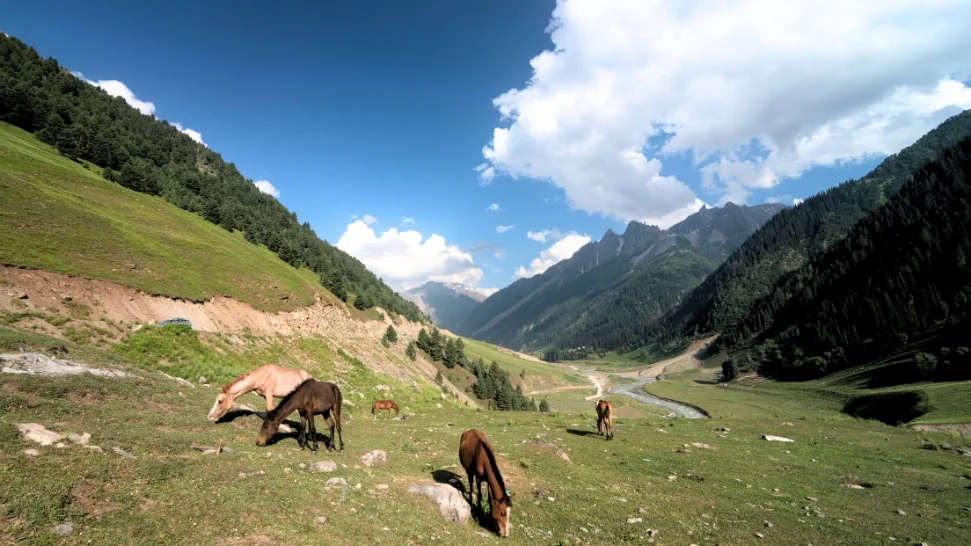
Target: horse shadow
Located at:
point(234, 414)
point(578, 432)
point(478, 513)
point(295, 426)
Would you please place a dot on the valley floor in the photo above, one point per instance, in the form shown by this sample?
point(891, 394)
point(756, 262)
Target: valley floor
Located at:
point(711, 481)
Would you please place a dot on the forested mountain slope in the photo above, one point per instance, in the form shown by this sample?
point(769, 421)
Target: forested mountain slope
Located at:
point(899, 273)
point(794, 237)
point(608, 291)
point(150, 156)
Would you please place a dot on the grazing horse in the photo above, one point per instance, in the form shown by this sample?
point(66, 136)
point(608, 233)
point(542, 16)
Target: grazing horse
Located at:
point(379, 405)
point(605, 420)
point(309, 398)
point(479, 459)
point(268, 381)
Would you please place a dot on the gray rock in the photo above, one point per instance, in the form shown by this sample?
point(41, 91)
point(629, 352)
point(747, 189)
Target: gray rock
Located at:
point(122, 453)
point(80, 439)
point(451, 504)
point(767, 523)
point(23, 296)
point(634, 520)
point(38, 434)
point(323, 466)
point(641, 511)
point(374, 458)
point(335, 482)
point(771, 438)
point(381, 486)
point(320, 520)
point(31, 452)
point(901, 512)
point(203, 380)
point(652, 532)
point(63, 529)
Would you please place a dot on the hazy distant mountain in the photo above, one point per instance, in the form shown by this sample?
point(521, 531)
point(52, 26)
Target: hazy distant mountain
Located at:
point(606, 279)
point(445, 303)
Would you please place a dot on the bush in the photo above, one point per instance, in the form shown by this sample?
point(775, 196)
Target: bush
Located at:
point(892, 408)
point(544, 406)
point(729, 370)
point(925, 363)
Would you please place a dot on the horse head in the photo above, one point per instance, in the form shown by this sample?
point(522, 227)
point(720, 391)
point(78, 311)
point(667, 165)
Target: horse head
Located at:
point(502, 514)
point(223, 404)
point(268, 429)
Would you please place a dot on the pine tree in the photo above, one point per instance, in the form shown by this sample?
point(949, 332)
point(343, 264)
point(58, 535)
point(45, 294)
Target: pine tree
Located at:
point(436, 347)
point(391, 335)
point(410, 350)
point(424, 341)
point(544, 406)
point(438, 377)
point(450, 357)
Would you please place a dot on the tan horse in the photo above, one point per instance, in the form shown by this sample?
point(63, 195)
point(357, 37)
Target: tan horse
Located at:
point(479, 460)
point(379, 405)
point(605, 420)
point(268, 381)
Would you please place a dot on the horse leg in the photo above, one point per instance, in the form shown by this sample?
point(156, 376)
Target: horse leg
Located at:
point(329, 420)
point(313, 433)
point(337, 421)
point(469, 474)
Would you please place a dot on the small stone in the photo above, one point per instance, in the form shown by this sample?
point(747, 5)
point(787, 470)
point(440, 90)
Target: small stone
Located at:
point(65, 297)
point(31, 452)
point(374, 458)
point(63, 529)
point(80, 439)
point(122, 453)
point(652, 532)
point(60, 445)
point(286, 470)
point(203, 380)
point(334, 482)
point(814, 499)
point(323, 466)
point(641, 510)
point(760, 535)
point(770, 438)
point(634, 520)
point(438, 406)
point(381, 486)
point(302, 466)
point(901, 512)
point(946, 447)
point(95, 448)
point(357, 486)
point(551, 499)
point(672, 477)
point(767, 523)
point(320, 520)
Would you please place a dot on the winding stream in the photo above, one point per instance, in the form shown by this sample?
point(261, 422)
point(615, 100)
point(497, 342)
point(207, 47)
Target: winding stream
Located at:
point(634, 390)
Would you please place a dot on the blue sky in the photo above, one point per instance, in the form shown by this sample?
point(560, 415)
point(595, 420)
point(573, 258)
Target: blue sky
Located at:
point(384, 110)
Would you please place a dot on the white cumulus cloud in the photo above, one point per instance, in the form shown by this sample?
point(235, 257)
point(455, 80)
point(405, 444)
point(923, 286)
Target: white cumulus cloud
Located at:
point(493, 207)
point(486, 291)
point(503, 229)
point(797, 201)
point(753, 92)
point(541, 236)
point(405, 259)
point(193, 134)
point(561, 250)
point(116, 88)
point(267, 188)
point(407, 220)
point(368, 219)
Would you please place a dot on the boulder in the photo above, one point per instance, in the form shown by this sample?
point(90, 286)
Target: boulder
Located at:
point(80, 439)
point(323, 466)
point(771, 438)
point(203, 380)
point(450, 502)
point(374, 458)
point(33, 432)
point(63, 529)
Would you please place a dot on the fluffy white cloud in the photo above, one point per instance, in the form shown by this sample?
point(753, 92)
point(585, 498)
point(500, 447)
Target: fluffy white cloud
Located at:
point(116, 88)
point(486, 291)
point(368, 219)
point(797, 201)
point(753, 91)
point(493, 207)
point(407, 220)
point(194, 135)
point(404, 260)
point(267, 188)
point(561, 250)
point(541, 236)
point(503, 229)
point(486, 173)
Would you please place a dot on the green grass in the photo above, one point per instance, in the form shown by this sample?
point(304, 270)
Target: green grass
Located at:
point(171, 494)
point(539, 375)
point(57, 215)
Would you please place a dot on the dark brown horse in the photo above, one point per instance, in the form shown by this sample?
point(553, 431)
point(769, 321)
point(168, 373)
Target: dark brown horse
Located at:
point(479, 460)
point(379, 405)
point(309, 398)
point(605, 420)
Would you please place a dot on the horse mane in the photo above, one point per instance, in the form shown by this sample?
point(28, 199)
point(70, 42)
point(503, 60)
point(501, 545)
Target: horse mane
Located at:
point(229, 386)
point(495, 468)
point(271, 415)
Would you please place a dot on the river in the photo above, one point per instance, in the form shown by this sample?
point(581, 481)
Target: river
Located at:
point(636, 391)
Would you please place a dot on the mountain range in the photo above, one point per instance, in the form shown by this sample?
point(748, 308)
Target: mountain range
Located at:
point(574, 302)
point(447, 304)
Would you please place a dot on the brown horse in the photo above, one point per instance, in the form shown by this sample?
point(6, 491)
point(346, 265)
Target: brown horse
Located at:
point(605, 420)
point(268, 381)
point(309, 398)
point(379, 405)
point(479, 459)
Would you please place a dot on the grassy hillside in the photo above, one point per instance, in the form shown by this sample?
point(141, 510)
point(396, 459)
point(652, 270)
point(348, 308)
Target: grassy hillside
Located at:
point(689, 482)
point(539, 375)
point(57, 215)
